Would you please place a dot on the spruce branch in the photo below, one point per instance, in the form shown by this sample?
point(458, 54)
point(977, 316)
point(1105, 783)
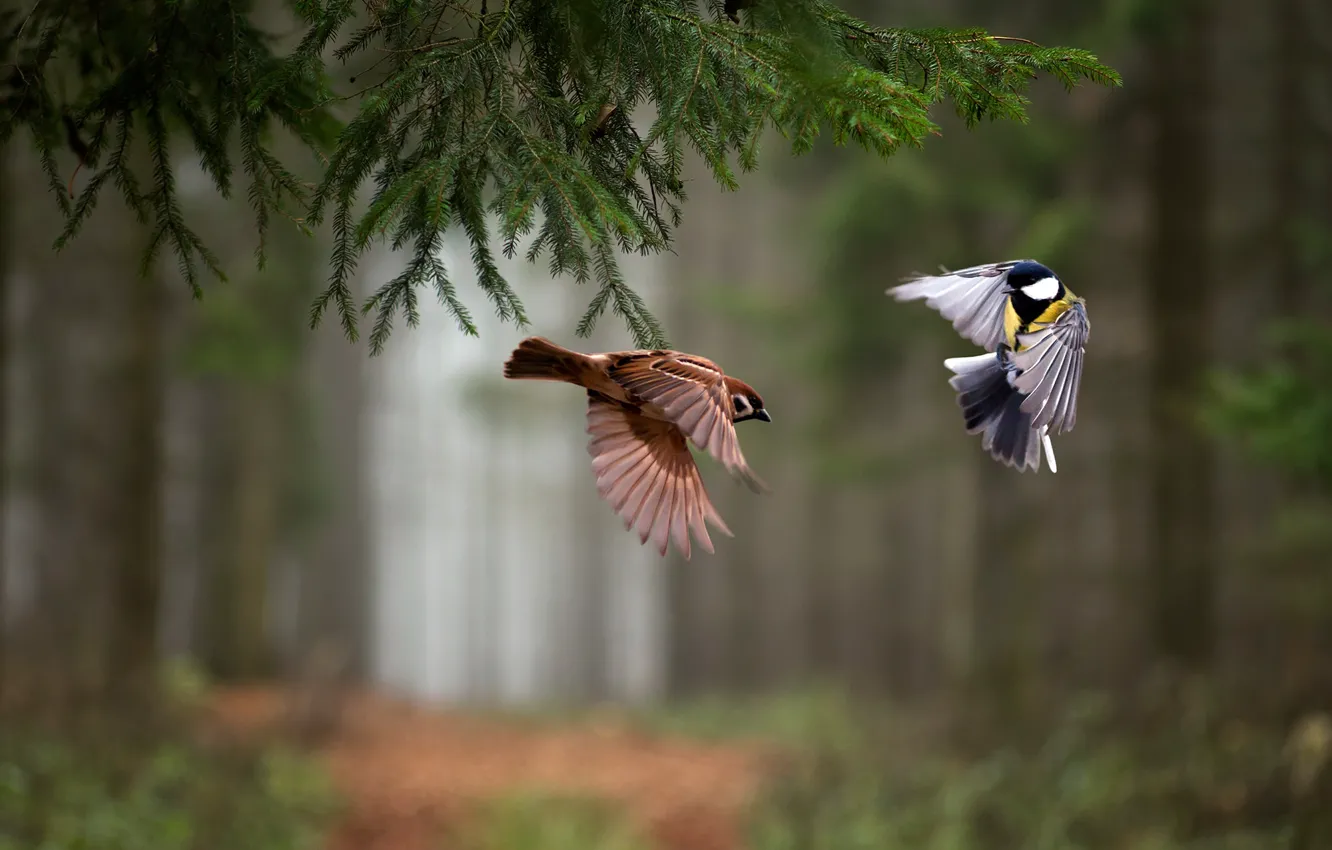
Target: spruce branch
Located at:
point(514, 121)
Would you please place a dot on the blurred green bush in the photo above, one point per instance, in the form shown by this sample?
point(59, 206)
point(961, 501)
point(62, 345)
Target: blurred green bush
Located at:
point(817, 718)
point(102, 791)
point(1182, 782)
point(1177, 770)
point(1280, 408)
point(550, 822)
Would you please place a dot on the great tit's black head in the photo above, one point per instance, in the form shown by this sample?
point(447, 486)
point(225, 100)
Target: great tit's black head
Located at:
point(1031, 281)
point(748, 404)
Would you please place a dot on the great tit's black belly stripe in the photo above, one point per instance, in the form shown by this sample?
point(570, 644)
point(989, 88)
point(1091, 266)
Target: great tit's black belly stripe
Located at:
point(1027, 309)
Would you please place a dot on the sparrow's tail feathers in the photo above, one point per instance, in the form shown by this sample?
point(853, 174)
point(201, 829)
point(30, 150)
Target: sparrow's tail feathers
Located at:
point(539, 359)
point(993, 406)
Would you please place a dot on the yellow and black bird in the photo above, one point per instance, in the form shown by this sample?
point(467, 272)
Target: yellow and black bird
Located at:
point(1036, 330)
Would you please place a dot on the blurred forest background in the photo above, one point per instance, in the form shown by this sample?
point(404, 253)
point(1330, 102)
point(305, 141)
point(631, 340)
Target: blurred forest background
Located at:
point(941, 653)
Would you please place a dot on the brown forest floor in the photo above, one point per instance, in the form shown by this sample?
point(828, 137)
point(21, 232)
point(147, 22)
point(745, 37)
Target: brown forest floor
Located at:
point(408, 774)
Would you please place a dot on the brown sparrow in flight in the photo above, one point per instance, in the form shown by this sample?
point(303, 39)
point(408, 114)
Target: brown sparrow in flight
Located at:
point(641, 405)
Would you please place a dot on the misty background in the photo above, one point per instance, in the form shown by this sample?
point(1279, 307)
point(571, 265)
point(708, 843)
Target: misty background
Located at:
point(413, 527)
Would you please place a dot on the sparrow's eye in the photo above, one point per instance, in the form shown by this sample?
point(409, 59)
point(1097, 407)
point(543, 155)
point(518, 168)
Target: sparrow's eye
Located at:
point(742, 405)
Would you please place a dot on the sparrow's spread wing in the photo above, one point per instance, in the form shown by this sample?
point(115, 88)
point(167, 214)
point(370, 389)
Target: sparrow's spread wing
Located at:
point(646, 473)
point(692, 393)
point(1050, 365)
point(972, 299)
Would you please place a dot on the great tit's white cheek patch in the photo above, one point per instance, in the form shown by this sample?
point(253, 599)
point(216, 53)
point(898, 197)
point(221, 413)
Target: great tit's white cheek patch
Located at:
point(1044, 289)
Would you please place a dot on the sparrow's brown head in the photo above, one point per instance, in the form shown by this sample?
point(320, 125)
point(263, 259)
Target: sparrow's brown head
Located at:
point(746, 402)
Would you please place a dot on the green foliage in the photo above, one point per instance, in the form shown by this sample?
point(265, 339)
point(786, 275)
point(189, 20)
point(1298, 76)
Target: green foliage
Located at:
point(114, 88)
point(514, 113)
point(245, 333)
point(537, 822)
point(183, 683)
point(1090, 784)
point(821, 718)
point(107, 793)
point(1281, 410)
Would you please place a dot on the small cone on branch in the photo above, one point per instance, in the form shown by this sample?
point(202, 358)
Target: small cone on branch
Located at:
point(733, 8)
point(599, 126)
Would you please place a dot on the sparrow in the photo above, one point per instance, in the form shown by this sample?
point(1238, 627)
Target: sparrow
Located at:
point(1035, 330)
point(642, 406)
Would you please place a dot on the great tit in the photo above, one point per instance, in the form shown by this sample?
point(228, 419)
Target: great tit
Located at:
point(1036, 331)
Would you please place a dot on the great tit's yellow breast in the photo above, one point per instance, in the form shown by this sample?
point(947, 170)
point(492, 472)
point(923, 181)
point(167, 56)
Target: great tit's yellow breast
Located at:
point(1054, 311)
point(1011, 324)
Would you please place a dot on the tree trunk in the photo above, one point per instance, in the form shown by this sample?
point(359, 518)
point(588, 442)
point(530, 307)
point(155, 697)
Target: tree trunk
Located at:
point(1292, 142)
point(257, 488)
point(1183, 584)
point(6, 368)
point(1004, 648)
point(335, 585)
point(590, 587)
point(248, 497)
point(819, 556)
point(1291, 138)
point(216, 470)
point(139, 463)
point(94, 350)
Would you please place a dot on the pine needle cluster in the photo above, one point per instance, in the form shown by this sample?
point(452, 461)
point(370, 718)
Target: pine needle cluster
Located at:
point(558, 125)
point(116, 85)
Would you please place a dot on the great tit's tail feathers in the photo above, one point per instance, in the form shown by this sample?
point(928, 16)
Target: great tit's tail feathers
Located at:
point(1049, 450)
point(539, 359)
point(993, 407)
point(982, 386)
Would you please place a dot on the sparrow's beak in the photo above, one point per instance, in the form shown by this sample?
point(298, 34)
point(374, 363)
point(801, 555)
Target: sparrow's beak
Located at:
point(762, 415)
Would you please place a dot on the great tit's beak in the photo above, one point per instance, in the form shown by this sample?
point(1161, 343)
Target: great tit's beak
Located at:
point(762, 415)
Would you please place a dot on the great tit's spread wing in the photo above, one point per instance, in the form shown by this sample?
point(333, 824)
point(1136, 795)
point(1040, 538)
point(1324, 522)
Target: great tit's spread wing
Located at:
point(972, 299)
point(1050, 369)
